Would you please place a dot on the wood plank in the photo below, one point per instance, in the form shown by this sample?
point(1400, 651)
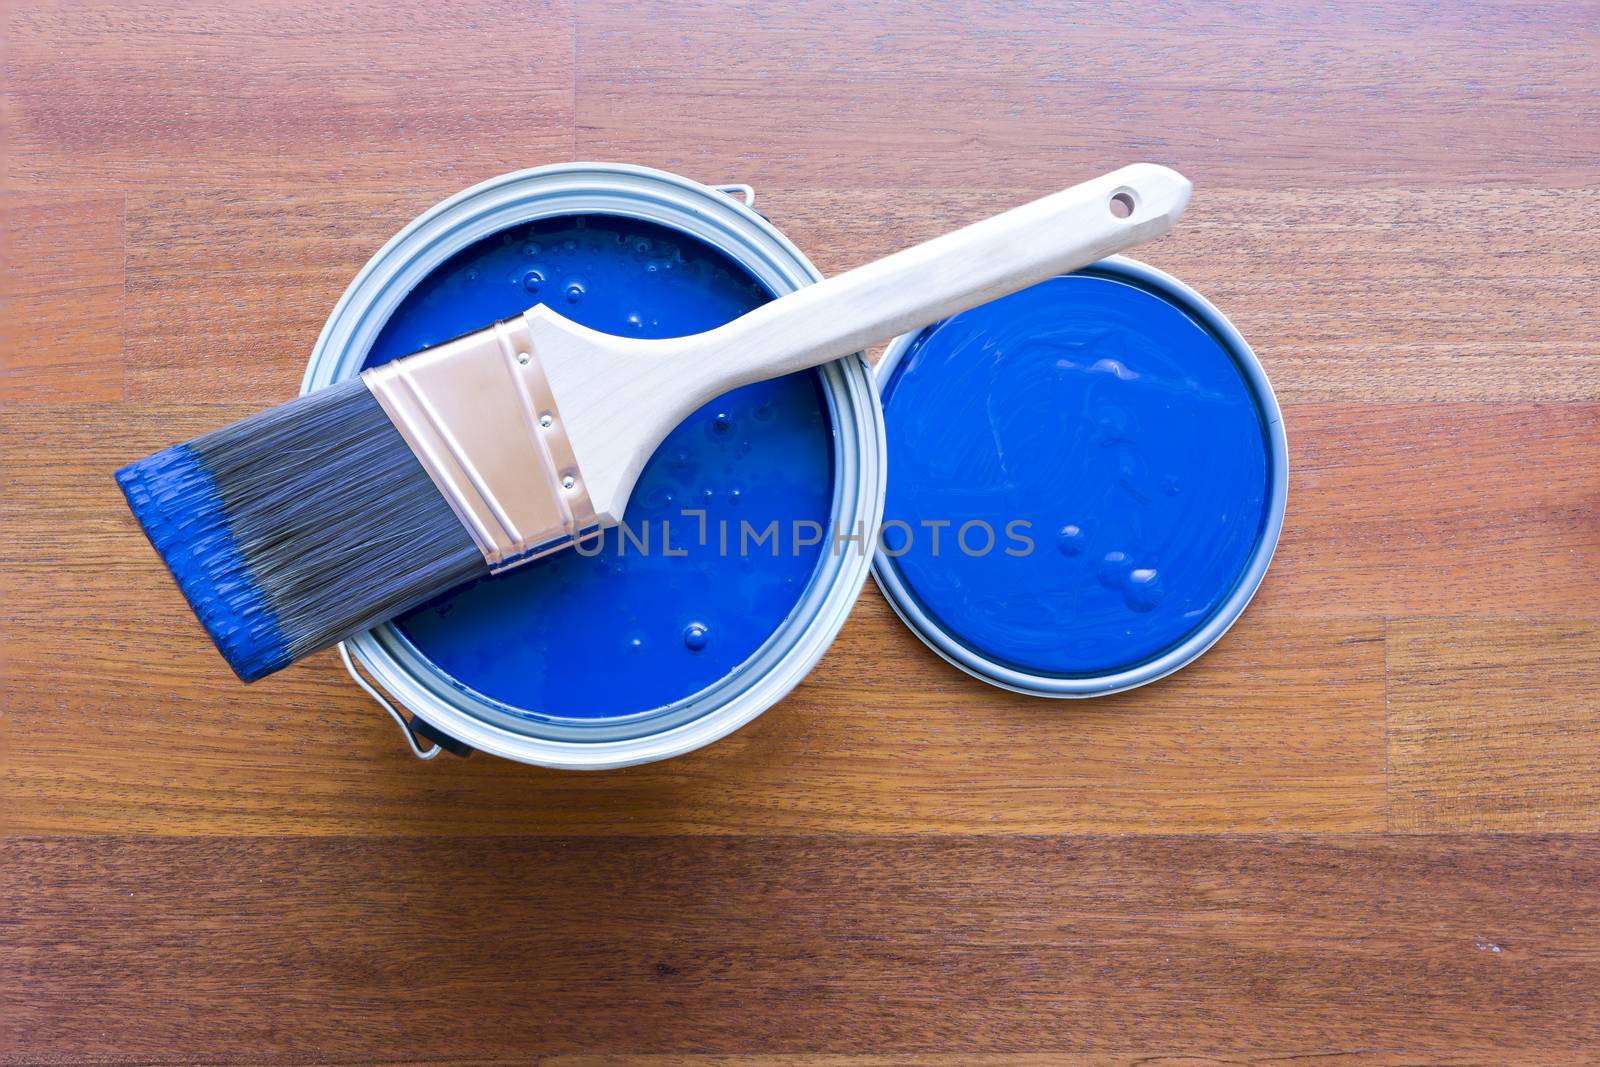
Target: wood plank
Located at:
point(1494, 724)
point(61, 297)
point(1354, 1058)
point(352, 948)
point(122, 718)
point(911, 93)
point(239, 326)
point(1435, 509)
point(1394, 509)
point(1476, 295)
point(398, 95)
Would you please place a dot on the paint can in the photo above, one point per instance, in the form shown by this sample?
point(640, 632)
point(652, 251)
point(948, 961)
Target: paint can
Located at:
point(514, 686)
point(1120, 441)
point(1112, 420)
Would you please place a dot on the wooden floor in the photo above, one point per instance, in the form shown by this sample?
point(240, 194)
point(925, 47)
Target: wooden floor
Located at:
point(1364, 829)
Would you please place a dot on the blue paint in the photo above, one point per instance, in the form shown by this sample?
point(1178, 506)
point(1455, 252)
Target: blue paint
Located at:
point(623, 633)
point(175, 499)
point(1120, 429)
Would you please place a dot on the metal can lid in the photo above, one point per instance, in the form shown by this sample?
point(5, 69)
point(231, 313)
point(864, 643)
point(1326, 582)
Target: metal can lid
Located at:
point(1088, 479)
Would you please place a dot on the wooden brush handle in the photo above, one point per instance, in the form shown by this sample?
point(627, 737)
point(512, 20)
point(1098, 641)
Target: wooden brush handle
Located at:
point(618, 398)
point(947, 275)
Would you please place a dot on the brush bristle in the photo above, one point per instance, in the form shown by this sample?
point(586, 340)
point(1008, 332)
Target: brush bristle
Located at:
point(298, 527)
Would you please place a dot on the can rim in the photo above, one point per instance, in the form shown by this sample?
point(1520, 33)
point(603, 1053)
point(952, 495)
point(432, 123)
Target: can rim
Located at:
point(939, 638)
point(731, 227)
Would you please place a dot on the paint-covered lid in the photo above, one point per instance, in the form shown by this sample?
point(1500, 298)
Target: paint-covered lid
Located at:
point(1087, 481)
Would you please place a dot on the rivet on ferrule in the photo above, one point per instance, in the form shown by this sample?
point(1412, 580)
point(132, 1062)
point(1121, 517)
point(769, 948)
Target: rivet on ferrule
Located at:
point(478, 414)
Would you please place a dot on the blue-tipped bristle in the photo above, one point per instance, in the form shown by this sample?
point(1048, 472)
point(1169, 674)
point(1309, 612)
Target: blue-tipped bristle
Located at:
point(300, 526)
point(175, 500)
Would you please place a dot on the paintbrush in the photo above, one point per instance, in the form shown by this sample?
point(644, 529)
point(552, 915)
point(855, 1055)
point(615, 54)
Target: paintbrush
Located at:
point(303, 525)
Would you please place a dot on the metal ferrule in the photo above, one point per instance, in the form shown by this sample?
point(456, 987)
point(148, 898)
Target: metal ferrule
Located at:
point(480, 418)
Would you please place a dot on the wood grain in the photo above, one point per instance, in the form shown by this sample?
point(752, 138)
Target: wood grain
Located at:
point(1014, 95)
point(1352, 1058)
point(1397, 205)
point(882, 738)
point(61, 293)
point(1440, 509)
point(245, 98)
point(196, 261)
point(351, 949)
point(1494, 724)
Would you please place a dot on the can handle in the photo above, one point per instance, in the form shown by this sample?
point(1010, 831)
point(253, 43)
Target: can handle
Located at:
point(383, 702)
point(745, 193)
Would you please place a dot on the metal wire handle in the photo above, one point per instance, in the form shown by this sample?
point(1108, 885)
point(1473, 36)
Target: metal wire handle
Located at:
point(383, 702)
point(738, 189)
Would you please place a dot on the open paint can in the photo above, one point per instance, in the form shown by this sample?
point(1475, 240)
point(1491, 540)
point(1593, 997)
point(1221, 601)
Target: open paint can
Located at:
point(720, 591)
point(1089, 480)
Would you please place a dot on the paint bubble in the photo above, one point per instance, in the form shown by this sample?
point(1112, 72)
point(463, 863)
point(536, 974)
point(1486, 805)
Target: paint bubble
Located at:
point(1113, 569)
point(641, 247)
point(569, 245)
point(635, 321)
point(1070, 541)
point(532, 248)
point(694, 636)
point(634, 646)
point(1143, 591)
point(575, 288)
point(472, 274)
point(721, 424)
